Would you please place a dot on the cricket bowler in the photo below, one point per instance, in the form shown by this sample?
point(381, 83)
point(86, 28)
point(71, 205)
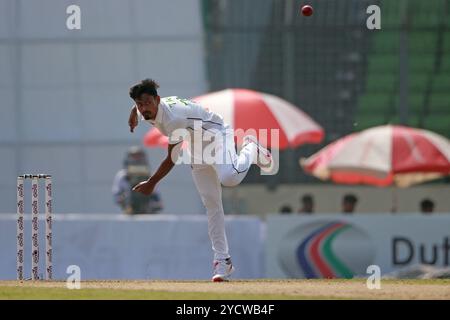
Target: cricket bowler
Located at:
point(173, 116)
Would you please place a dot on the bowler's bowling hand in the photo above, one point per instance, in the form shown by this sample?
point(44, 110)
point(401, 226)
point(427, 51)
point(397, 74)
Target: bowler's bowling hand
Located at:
point(144, 187)
point(133, 120)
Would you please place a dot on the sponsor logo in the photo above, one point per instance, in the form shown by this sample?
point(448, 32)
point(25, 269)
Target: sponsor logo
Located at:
point(326, 249)
point(407, 251)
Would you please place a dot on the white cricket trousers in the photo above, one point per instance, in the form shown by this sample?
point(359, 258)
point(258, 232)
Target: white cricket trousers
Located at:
point(208, 179)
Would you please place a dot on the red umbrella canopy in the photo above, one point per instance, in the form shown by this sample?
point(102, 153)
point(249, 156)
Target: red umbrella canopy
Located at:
point(260, 112)
point(382, 156)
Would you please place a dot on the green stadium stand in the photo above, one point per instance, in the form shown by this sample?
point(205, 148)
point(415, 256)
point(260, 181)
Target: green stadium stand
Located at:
point(418, 82)
point(439, 102)
point(422, 41)
point(441, 83)
point(415, 102)
point(446, 44)
point(386, 42)
point(379, 104)
point(366, 121)
point(446, 62)
point(389, 63)
point(390, 13)
point(381, 83)
point(421, 62)
point(426, 13)
point(439, 123)
point(418, 42)
point(413, 121)
point(383, 63)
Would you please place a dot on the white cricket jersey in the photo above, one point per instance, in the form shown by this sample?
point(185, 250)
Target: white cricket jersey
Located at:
point(177, 113)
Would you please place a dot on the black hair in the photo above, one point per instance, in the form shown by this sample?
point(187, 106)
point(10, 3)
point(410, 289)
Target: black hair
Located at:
point(148, 86)
point(427, 204)
point(350, 198)
point(307, 198)
point(286, 209)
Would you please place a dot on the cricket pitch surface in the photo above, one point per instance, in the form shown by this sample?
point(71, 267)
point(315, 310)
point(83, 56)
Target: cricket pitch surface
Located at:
point(235, 289)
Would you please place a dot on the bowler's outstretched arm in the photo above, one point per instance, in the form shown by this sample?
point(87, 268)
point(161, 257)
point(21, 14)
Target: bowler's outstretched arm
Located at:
point(146, 187)
point(133, 120)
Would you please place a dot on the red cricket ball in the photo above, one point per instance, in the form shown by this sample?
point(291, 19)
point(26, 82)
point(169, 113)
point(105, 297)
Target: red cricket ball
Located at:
point(307, 10)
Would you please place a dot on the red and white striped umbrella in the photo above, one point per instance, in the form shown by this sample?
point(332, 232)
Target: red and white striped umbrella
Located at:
point(383, 156)
point(246, 109)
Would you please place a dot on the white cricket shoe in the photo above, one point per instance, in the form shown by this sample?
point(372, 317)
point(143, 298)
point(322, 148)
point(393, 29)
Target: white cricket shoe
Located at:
point(222, 270)
point(264, 159)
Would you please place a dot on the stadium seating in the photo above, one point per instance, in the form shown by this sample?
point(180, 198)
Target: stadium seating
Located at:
point(415, 103)
point(375, 103)
point(384, 83)
point(439, 102)
point(386, 42)
point(446, 62)
point(421, 63)
point(413, 121)
point(366, 121)
point(382, 63)
point(418, 83)
point(422, 41)
point(391, 13)
point(428, 98)
point(441, 82)
point(427, 14)
point(438, 123)
point(345, 76)
point(446, 46)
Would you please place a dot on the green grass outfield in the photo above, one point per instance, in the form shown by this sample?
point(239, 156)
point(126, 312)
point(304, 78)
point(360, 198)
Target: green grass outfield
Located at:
point(117, 294)
point(234, 290)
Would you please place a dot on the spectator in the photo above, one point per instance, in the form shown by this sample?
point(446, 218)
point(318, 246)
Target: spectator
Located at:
point(427, 206)
point(307, 204)
point(286, 209)
point(349, 202)
point(135, 169)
